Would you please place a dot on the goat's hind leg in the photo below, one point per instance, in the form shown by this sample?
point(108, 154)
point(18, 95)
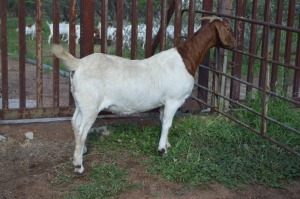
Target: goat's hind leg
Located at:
point(87, 120)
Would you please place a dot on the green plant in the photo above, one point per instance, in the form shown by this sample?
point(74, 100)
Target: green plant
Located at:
point(104, 181)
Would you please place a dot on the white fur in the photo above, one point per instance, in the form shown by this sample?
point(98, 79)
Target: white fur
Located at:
point(29, 31)
point(63, 31)
point(123, 86)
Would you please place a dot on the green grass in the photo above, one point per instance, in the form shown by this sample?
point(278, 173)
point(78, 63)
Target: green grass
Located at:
point(104, 181)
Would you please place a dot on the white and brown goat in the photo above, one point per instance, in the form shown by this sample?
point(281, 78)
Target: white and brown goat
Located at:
point(123, 86)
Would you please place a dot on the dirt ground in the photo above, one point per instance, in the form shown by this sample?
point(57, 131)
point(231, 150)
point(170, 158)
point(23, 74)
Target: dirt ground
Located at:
point(29, 167)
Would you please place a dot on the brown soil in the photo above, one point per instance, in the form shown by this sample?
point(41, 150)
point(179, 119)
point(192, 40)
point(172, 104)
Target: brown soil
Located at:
point(28, 168)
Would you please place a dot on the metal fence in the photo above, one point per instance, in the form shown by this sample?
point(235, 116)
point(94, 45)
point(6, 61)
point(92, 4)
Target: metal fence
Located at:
point(263, 66)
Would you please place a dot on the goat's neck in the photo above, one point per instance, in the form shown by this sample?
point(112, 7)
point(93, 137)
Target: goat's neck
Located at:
point(194, 49)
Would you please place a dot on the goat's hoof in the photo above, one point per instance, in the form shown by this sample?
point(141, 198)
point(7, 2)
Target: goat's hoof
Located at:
point(161, 152)
point(79, 169)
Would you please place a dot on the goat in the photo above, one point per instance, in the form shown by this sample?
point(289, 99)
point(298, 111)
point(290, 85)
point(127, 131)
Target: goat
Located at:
point(63, 31)
point(30, 29)
point(124, 86)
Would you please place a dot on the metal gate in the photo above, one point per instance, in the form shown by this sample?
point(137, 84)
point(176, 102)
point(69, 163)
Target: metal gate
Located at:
point(264, 62)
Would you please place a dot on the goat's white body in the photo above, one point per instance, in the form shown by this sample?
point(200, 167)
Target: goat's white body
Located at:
point(125, 86)
point(29, 30)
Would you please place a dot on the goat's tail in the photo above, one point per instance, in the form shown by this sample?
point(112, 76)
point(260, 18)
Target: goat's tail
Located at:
point(70, 61)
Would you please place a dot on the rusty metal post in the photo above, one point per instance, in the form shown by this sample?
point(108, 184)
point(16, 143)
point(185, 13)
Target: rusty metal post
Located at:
point(252, 47)
point(163, 24)
point(238, 57)
point(203, 73)
point(4, 68)
point(87, 27)
point(225, 7)
point(119, 33)
point(55, 59)
point(39, 55)
point(72, 44)
point(277, 40)
point(134, 25)
point(72, 22)
point(104, 7)
point(177, 22)
point(296, 87)
point(288, 45)
point(22, 53)
point(149, 25)
point(191, 22)
point(264, 67)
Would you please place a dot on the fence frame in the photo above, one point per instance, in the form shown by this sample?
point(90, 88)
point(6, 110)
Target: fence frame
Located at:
point(267, 58)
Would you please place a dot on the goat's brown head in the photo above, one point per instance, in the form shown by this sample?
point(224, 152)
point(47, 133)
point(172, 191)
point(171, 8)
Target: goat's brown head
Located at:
point(224, 32)
point(226, 36)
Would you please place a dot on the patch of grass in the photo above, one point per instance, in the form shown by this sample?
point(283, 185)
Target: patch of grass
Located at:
point(206, 150)
point(280, 110)
point(104, 181)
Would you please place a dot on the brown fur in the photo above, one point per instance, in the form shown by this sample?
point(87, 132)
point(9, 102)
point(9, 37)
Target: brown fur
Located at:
point(215, 33)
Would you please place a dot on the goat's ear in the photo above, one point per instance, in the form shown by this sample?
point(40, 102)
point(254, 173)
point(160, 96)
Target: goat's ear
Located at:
point(224, 30)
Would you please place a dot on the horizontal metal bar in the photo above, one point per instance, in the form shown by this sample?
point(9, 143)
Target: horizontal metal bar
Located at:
point(253, 21)
point(251, 110)
point(254, 86)
point(252, 129)
point(36, 113)
point(268, 60)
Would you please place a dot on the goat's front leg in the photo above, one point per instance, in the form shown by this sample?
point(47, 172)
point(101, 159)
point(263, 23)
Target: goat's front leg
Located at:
point(167, 116)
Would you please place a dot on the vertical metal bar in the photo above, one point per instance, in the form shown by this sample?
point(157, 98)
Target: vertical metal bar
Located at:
point(104, 26)
point(163, 25)
point(252, 47)
point(264, 67)
point(191, 22)
point(22, 53)
point(134, 24)
point(156, 39)
point(72, 45)
point(39, 55)
point(4, 68)
point(224, 7)
point(288, 45)
point(177, 28)
point(216, 82)
point(238, 57)
point(55, 60)
point(223, 81)
point(277, 40)
point(119, 36)
point(203, 73)
point(87, 27)
point(149, 25)
point(72, 22)
point(296, 86)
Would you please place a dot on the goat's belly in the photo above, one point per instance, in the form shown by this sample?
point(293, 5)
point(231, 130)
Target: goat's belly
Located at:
point(126, 110)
